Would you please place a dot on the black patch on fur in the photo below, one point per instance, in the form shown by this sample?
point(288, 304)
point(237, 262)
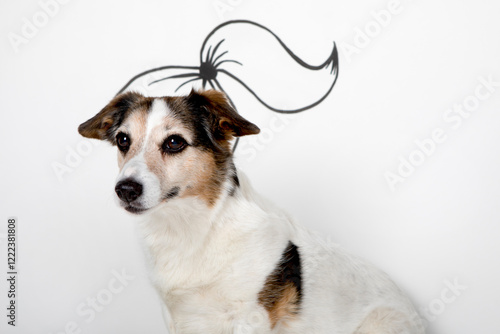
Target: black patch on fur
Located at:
point(174, 192)
point(287, 273)
point(235, 179)
point(289, 270)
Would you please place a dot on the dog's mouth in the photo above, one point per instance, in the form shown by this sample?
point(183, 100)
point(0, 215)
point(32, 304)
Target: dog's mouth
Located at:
point(134, 209)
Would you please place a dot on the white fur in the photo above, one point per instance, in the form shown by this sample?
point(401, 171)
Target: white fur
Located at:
point(208, 266)
point(159, 111)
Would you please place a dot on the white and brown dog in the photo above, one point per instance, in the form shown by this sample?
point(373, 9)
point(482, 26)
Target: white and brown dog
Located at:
point(224, 260)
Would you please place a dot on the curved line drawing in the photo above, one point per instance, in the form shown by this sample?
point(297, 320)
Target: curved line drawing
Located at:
point(209, 69)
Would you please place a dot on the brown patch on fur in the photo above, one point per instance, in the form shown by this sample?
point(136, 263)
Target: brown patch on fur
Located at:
point(283, 308)
point(135, 127)
point(157, 163)
point(205, 182)
point(282, 292)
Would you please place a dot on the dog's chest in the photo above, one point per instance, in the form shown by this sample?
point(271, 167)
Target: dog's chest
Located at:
point(209, 276)
point(201, 299)
point(213, 310)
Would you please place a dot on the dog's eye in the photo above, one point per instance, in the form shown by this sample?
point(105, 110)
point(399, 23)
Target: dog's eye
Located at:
point(123, 142)
point(173, 144)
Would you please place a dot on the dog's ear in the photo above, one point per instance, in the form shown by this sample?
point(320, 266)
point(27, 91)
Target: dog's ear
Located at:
point(103, 125)
point(225, 121)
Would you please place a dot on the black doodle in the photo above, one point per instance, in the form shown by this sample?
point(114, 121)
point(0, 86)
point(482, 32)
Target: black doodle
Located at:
point(210, 68)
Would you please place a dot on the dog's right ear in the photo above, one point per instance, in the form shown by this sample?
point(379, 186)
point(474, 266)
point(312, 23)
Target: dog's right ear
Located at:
point(103, 125)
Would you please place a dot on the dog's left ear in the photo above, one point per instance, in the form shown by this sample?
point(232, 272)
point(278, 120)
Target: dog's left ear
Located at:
point(103, 125)
point(226, 122)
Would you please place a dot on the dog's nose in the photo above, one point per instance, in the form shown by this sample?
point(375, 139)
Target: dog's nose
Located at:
point(128, 190)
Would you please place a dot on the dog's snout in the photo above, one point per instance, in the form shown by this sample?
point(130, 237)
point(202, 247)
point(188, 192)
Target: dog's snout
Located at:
point(128, 190)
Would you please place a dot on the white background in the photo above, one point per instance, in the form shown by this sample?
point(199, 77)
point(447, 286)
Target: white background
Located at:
point(326, 166)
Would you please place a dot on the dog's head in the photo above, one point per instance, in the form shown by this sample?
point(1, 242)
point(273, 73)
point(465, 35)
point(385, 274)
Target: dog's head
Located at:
point(170, 147)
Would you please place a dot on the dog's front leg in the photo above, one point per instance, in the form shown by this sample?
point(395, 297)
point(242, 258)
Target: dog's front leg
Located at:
point(167, 318)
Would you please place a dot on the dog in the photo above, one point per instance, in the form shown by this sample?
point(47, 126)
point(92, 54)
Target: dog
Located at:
point(223, 259)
